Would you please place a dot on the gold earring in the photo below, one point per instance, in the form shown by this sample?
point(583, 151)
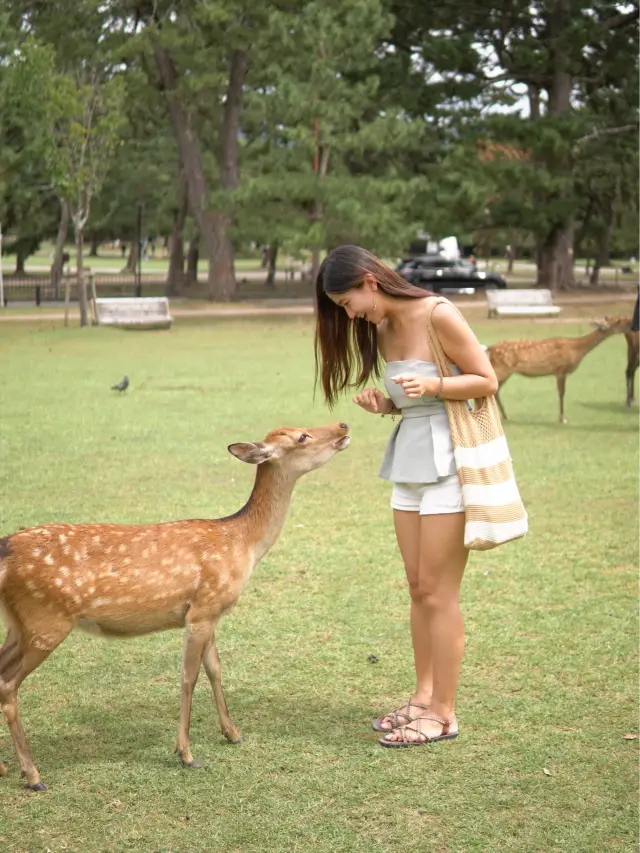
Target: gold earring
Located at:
point(374, 302)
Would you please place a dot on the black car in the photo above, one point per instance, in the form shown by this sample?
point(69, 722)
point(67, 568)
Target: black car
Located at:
point(436, 273)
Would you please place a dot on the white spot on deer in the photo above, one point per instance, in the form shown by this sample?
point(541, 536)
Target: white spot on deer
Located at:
point(78, 581)
point(122, 549)
point(62, 538)
point(77, 556)
point(36, 552)
point(38, 595)
point(59, 581)
point(145, 553)
point(66, 550)
point(49, 560)
point(31, 586)
point(126, 561)
point(102, 602)
point(64, 571)
point(95, 539)
point(29, 566)
point(124, 599)
point(92, 589)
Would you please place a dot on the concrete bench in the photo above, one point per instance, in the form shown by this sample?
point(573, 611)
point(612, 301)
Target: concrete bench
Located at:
point(520, 303)
point(143, 312)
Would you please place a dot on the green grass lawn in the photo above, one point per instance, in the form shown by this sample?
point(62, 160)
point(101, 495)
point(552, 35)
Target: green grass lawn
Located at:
point(550, 674)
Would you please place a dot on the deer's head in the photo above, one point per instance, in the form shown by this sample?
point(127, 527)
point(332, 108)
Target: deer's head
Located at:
point(613, 325)
point(295, 450)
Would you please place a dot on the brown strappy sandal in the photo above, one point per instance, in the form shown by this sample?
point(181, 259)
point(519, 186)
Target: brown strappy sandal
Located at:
point(402, 744)
point(398, 717)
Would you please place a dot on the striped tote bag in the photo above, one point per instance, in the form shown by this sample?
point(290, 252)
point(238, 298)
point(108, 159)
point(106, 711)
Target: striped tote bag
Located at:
point(494, 512)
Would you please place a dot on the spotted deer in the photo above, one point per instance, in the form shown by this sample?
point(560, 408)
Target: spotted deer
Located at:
point(123, 581)
point(549, 357)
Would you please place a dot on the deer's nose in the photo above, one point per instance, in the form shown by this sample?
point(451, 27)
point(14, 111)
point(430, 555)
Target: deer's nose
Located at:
point(344, 426)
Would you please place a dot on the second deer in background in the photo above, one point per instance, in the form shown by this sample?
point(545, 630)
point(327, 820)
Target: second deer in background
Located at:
point(550, 357)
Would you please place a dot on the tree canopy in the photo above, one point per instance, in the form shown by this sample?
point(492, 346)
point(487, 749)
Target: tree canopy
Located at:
point(308, 124)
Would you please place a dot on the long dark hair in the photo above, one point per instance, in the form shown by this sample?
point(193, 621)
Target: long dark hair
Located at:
point(346, 350)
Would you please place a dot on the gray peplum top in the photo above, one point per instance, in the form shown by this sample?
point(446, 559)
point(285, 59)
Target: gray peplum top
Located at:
point(419, 449)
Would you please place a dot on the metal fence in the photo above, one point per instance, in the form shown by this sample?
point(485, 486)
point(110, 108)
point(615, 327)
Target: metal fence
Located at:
point(42, 288)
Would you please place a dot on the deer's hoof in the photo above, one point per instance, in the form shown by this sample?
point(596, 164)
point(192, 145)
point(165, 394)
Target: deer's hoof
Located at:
point(186, 763)
point(37, 786)
point(234, 737)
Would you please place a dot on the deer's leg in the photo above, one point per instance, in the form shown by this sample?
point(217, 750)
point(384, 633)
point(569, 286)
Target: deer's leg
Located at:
point(9, 656)
point(195, 642)
point(16, 662)
point(561, 382)
point(212, 668)
point(630, 376)
point(499, 401)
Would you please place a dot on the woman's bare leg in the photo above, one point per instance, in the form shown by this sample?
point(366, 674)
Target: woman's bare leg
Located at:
point(435, 607)
point(408, 531)
point(408, 527)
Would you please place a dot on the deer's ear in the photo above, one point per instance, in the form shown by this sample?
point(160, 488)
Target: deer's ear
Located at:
point(254, 454)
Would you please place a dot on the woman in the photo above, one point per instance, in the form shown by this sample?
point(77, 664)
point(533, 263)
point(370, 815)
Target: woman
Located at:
point(366, 313)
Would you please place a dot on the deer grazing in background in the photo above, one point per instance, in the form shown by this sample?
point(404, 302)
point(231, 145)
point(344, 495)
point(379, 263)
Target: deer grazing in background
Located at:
point(551, 357)
point(127, 580)
point(633, 360)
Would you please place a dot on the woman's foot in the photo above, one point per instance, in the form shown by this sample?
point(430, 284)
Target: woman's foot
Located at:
point(422, 730)
point(400, 717)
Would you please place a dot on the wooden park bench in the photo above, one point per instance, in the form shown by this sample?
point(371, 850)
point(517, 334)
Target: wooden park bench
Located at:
point(520, 303)
point(143, 312)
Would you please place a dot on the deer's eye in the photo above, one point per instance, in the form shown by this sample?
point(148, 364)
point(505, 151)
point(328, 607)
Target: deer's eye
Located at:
point(303, 437)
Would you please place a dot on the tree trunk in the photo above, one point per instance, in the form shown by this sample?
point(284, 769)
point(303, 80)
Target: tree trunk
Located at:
point(556, 261)
point(61, 238)
point(318, 212)
point(132, 257)
point(82, 284)
point(223, 262)
point(21, 257)
point(272, 257)
point(175, 276)
point(193, 256)
point(95, 245)
point(211, 224)
point(555, 258)
point(604, 244)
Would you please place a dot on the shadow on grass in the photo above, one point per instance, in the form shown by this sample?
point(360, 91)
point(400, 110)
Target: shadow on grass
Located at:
point(614, 408)
point(140, 735)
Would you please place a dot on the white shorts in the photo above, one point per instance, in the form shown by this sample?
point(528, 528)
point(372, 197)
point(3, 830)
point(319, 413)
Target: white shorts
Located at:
point(439, 498)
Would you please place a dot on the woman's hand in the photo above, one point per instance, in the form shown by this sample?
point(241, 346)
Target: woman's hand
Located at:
point(373, 400)
point(415, 385)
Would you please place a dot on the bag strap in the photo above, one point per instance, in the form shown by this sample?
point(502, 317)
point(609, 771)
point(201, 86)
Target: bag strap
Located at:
point(440, 359)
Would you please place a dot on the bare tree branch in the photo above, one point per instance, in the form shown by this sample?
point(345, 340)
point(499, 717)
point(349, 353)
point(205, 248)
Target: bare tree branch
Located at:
point(622, 19)
point(608, 131)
